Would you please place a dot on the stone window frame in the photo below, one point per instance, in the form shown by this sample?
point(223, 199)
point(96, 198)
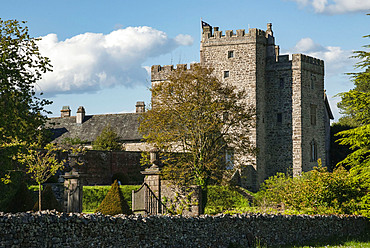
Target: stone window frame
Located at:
point(313, 151)
point(313, 114)
point(230, 54)
point(226, 74)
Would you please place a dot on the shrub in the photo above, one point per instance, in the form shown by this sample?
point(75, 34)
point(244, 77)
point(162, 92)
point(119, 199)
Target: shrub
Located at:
point(48, 201)
point(225, 198)
point(22, 201)
point(114, 202)
point(314, 192)
point(94, 195)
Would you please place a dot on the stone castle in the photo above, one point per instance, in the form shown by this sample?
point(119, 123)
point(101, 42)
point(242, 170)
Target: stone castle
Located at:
point(292, 126)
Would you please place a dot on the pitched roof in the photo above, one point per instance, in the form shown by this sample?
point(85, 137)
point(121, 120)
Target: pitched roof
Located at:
point(125, 125)
point(327, 107)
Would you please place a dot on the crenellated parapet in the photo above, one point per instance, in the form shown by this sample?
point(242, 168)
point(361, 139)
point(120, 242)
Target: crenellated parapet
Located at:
point(211, 35)
point(308, 63)
point(298, 61)
point(161, 73)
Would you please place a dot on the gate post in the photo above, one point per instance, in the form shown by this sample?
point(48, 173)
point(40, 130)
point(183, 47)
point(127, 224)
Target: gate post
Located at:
point(152, 177)
point(73, 192)
point(152, 174)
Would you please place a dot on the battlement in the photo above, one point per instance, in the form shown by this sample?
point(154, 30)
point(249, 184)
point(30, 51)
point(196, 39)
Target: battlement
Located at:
point(160, 73)
point(307, 59)
point(240, 33)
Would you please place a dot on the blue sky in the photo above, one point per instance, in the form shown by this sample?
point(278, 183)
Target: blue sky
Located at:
point(101, 50)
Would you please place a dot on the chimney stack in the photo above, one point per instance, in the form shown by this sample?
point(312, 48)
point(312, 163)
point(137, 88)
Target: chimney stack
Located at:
point(80, 115)
point(140, 107)
point(65, 112)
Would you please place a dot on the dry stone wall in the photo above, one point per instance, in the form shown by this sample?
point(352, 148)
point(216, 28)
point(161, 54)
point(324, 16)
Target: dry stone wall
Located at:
point(52, 229)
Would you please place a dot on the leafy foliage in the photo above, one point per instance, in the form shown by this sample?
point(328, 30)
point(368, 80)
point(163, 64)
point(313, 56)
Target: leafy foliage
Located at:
point(314, 192)
point(107, 140)
point(21, 66)
point(194, 120)
point(337, 152)
point(49, 202)
point(355, 104)
point(40, 165)
point(114, 202)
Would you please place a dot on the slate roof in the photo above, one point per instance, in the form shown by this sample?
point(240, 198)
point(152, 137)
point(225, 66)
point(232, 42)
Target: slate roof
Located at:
point(125, 125)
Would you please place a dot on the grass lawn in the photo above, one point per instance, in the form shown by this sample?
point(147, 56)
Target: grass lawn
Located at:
point(362, 241)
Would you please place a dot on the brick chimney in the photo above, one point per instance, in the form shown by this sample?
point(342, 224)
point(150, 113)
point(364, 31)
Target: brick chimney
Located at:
point(80, 115)
point(65, 112)
point(140, 107)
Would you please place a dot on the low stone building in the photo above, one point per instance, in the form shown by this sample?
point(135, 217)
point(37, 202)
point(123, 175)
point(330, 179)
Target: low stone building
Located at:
point(103, 167)
point(88, 127)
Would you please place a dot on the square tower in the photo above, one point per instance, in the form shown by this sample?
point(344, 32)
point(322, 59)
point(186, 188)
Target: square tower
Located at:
point(292, 113)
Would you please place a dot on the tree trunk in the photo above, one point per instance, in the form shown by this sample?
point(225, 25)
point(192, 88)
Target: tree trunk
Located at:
point(39, 196)
point(204, 197)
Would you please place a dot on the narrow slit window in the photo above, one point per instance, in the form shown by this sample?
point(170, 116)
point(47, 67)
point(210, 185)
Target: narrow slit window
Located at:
point(281, 85)
point(313, 151)
point(313, 114)
point(279, 118)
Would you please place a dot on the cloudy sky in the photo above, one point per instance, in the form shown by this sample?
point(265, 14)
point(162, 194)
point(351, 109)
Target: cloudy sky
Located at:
point(101, 51)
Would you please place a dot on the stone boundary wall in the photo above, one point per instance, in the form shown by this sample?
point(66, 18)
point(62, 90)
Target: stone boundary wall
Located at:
point(52, 229)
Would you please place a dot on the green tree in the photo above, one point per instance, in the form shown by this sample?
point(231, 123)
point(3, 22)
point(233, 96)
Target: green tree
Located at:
point(21, 66)
point(356, 107)
point(195, 119)
point(107, 140)
point(40, 164)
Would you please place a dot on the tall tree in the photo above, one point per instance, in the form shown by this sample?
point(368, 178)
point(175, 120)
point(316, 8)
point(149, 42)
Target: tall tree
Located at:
point(21, 66)
point(356, 106)
point(195, 120)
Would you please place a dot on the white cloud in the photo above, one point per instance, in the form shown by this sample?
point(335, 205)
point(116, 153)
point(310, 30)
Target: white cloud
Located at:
point(337, 61)
point(336, 6)
point(92, 61)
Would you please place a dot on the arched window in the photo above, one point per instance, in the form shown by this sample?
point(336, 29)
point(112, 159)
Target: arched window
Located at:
point(313, 152)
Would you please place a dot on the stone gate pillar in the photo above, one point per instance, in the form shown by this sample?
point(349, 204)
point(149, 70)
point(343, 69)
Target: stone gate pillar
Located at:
point(152, 174)
point(73, 192)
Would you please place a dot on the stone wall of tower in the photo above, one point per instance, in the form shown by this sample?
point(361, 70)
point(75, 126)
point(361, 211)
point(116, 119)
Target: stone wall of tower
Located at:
point(308, 93)
point(284, 93)
point(243, 56)
point(278, 116)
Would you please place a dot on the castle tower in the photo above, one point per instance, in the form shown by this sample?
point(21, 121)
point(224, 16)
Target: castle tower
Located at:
point(240, 59)
point(292, 113)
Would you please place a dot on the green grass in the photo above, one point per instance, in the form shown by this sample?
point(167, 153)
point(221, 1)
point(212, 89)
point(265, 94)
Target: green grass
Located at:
point(362, 241)
point(226, 199)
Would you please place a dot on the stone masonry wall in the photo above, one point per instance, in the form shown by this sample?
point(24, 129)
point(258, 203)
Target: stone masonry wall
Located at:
point(51, 229)
point(101, 166)
point(246, 69)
